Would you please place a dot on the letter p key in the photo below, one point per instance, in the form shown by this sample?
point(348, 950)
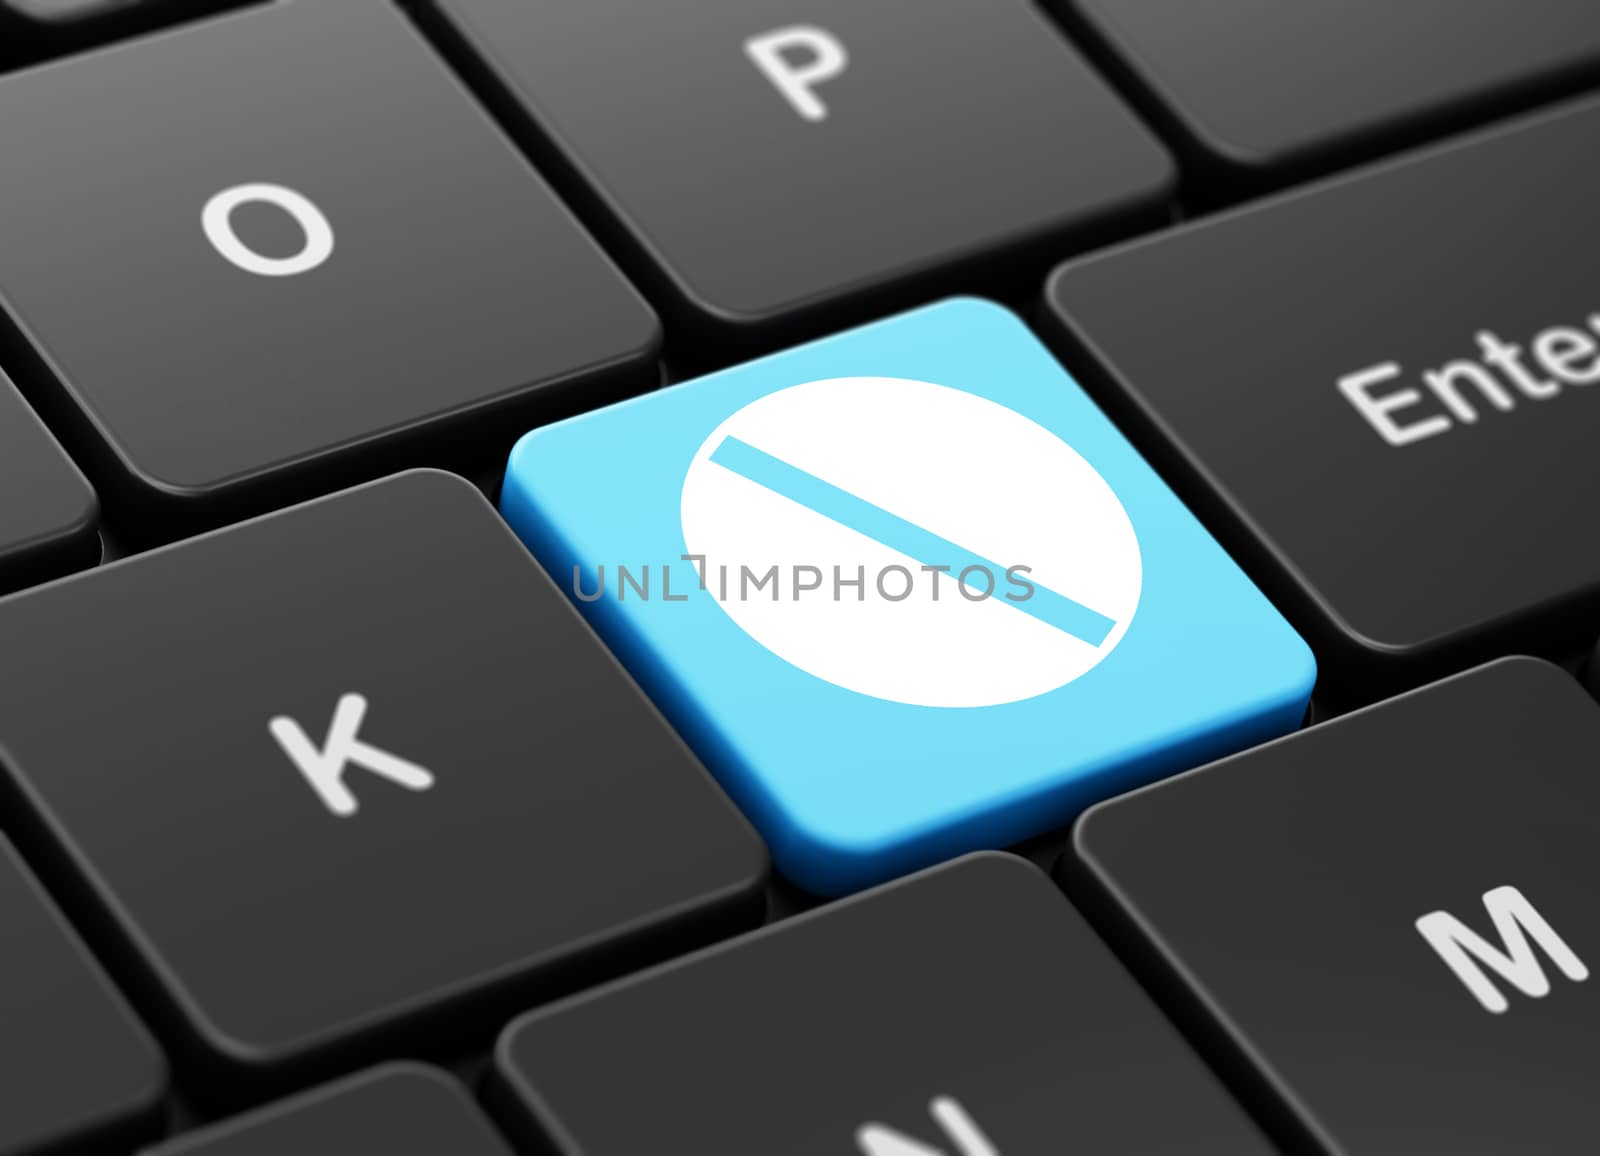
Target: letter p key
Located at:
point(324, 769)
point(823, 59)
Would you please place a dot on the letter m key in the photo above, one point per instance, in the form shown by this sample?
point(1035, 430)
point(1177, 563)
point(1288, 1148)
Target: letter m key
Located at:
point(325, 769)
point(1516, 922)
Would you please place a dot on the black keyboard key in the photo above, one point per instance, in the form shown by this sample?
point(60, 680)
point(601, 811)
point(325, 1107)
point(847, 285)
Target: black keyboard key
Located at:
point(281, 247)
point(785, 166)
point(396, 1110)
point(1278, 87)
point(75, 1066)
point(968, 1009)
point(1392, 915)
point(47, 509)
point(1383, 393)
point(359, 767)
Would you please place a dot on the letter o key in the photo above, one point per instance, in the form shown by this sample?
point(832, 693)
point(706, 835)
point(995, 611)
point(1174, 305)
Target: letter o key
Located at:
point(217, 220)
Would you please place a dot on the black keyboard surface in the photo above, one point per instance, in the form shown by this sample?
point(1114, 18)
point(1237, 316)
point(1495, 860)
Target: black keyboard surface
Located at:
point(895, 578)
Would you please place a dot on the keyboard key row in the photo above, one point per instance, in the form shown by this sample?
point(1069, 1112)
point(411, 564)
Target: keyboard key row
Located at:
point(375, 306)
point(1249, 93)
point(1381, 942)
point(395, 800)
point(322, 260)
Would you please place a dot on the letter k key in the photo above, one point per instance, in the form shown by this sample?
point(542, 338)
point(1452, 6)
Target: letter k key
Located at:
point(324, 769)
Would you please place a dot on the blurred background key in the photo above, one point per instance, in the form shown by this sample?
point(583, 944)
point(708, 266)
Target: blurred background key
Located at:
point(1275, 88)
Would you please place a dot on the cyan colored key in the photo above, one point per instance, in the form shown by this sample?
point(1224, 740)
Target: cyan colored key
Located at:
point(906, 591)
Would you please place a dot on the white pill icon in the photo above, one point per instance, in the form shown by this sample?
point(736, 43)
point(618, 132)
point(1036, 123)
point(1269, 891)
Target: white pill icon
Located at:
point(911, 542)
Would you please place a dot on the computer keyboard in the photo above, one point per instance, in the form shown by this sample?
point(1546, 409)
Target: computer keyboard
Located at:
point(879, 577)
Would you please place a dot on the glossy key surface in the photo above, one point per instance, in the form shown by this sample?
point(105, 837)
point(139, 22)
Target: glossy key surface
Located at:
point(1388, 920)
point(270, 251)
point(871, 709)
point(353, 776)
point(1384, 392)
point(781, 166)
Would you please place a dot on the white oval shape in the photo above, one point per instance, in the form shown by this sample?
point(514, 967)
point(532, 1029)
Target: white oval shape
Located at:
point(217, 220)
point(981, 476)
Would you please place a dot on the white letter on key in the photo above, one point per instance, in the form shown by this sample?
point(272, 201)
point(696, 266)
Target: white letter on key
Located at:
point(324, 769)
point(826, 59)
